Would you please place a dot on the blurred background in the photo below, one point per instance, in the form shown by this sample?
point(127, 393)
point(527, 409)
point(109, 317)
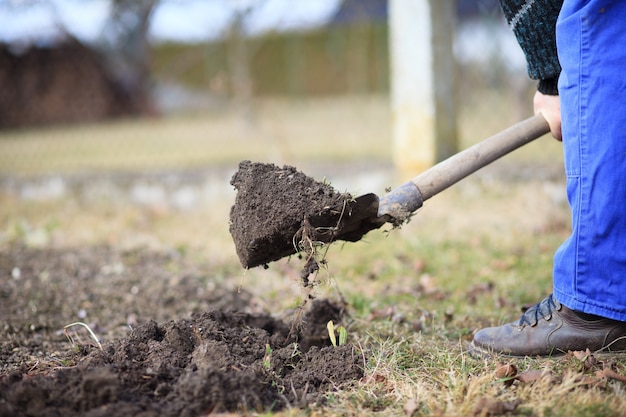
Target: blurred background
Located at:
point(154, 102)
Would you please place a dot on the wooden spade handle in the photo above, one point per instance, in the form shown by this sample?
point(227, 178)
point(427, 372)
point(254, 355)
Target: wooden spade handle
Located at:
point(468, 161)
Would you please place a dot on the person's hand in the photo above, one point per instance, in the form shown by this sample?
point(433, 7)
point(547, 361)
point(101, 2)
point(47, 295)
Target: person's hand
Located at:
point(550, 108)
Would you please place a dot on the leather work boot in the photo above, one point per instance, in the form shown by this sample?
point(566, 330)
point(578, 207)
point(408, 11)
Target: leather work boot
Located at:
point(550, 329)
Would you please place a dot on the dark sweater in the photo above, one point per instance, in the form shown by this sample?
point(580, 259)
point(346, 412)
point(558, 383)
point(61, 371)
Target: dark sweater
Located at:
point(534, 25)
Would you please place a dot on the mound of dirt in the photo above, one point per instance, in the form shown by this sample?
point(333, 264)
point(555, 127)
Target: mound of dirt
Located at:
point(215, 360)
point(271, 208)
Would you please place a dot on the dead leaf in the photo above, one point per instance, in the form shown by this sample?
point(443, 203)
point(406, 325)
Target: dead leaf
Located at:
point(590, 381)
point(376, 270)
point(608, 373)
point(491, 407)
point(385, 313)
point(419, 265)
point(501, 264)
point(428, 284)
point(476, 290)
point(532, 375)
point(410, 407)
point(507, 372)
point(587, 358)
point(418, 326)
point(448, 316)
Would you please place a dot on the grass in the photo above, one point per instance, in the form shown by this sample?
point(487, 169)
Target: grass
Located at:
point(284, 131)
point(470, 258)
point(330, 130)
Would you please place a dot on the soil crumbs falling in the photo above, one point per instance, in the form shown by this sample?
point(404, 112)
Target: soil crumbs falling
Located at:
point(216, 359)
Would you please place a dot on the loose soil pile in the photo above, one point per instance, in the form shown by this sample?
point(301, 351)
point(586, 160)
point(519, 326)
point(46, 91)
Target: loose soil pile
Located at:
point(222, 355)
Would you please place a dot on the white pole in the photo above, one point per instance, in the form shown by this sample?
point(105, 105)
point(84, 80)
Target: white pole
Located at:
point(422, 83)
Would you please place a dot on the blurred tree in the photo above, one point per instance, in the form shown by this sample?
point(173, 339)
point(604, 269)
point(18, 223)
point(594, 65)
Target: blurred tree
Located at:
point(239, 65)
point(240, 52)
point(125, 41)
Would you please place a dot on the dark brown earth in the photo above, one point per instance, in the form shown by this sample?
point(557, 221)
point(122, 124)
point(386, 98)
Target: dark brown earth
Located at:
point(273, 205)
point(196, 346)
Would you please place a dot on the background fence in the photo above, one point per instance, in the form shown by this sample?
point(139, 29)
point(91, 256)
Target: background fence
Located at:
point(129, 102)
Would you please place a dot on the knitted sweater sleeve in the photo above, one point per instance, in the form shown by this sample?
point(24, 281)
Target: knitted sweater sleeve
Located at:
point(534, 24)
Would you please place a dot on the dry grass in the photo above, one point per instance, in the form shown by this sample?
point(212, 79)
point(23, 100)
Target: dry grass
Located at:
point(283, 132)
point(469, 258)
point(328, 131)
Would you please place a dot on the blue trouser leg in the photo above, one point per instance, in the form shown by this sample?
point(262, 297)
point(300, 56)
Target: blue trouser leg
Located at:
point(590, 266)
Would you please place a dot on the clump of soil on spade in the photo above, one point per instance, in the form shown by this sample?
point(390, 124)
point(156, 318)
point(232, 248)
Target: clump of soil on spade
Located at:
point(269, 219)
point(223, 355)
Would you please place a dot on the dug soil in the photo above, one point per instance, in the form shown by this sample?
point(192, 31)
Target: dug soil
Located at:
point(102, 332)
point(273, 206)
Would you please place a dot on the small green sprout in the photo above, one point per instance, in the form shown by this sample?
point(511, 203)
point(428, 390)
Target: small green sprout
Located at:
point(343, 334)
point(268, 355)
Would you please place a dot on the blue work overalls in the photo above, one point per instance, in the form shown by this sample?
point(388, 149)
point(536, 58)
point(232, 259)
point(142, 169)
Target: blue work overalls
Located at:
point(590, 266)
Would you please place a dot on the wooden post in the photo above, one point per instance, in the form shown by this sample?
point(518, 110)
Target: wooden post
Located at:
point(423, 100)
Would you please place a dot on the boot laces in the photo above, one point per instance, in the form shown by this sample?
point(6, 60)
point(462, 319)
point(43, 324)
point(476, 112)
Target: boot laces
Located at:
point(543, 309)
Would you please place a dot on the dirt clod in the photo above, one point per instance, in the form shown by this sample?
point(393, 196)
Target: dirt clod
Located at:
point(272, 207)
